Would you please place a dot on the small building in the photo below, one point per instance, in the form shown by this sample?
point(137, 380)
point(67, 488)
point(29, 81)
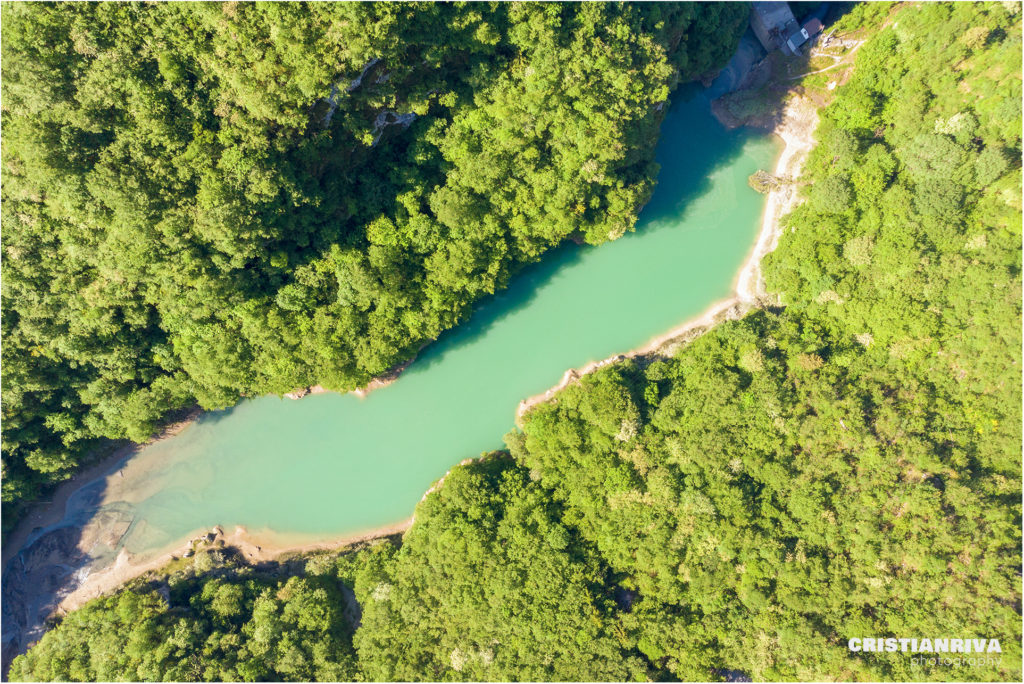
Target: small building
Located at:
point(811, 28)
point(777, 29)
point(773, 23)
point(794, 42)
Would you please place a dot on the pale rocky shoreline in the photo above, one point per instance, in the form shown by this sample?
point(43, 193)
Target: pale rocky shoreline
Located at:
point(253, 547)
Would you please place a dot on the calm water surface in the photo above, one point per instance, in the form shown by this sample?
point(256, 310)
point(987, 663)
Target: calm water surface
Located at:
point(331, 464)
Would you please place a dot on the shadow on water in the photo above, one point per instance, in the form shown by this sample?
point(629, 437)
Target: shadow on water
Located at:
point(50, 564)
point(679, 184)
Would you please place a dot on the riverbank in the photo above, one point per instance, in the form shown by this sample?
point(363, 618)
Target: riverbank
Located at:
point(340, 464)
point(44, 514)
point(796, 130)
point(53, 511)
point(253, 547)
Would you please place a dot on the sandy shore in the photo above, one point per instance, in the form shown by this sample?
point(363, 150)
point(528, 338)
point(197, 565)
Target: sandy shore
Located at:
point(254, 547)
point(796, 129)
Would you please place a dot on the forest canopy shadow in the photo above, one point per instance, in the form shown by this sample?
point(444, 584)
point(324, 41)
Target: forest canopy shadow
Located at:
point(673, 195)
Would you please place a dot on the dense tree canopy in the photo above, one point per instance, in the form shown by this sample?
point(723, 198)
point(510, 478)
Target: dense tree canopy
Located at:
point(843, 464)
point(203, 201)
point(212, 622)
point(848, 465)
point(490, 585)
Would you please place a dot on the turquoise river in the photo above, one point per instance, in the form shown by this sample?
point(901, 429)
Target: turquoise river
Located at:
point(332, 465)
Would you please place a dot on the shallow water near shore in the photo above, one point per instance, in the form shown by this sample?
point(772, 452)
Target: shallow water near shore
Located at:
point(331, 465)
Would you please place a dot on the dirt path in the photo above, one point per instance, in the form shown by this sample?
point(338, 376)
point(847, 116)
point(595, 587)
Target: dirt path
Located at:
point(840, 60)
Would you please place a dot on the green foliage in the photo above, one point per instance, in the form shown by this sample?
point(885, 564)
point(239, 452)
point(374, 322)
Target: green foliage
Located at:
point(489, 585)
point(786, 492)
point(204, 201)
point(991, 165)
point(239, 627)
point(849, 464)
point(846, 465)
point(832, 194)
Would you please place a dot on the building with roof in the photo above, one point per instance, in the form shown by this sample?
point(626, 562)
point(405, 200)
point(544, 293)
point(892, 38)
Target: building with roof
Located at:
point(773, 23)
point(777, 28)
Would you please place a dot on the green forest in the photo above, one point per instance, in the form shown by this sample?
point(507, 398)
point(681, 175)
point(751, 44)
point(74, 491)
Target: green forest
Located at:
point(206, 201)
point(842, 462)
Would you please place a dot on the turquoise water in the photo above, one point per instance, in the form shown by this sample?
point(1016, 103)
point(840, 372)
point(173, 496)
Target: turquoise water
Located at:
point(331, 465)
